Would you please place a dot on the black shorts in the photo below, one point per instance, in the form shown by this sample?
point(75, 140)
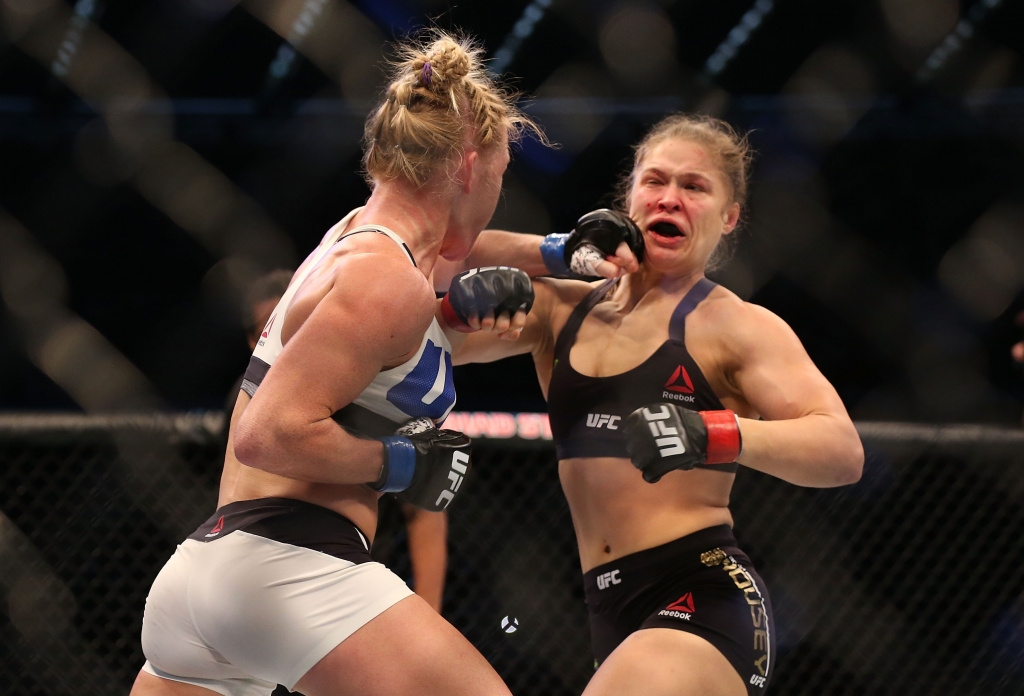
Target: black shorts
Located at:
point(702, 584)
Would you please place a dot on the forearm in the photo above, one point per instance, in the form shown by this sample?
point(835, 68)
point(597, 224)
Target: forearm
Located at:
point(818, 450)
point(316, 452)
point(495, 248)
point(428, 552)
point(501, 248)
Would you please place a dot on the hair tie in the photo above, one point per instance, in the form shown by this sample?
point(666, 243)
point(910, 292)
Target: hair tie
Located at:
point(426, 74)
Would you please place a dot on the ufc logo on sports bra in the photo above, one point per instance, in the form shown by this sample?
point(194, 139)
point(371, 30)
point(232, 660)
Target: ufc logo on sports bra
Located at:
point(606, 580)
point(665, 436)
point(601, 420)
point(458, 472)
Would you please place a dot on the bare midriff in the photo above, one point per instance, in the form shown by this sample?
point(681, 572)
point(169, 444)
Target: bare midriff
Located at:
point(358, 503)
point(617, 513)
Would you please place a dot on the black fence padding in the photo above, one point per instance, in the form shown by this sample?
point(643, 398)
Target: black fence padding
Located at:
point(910, 582)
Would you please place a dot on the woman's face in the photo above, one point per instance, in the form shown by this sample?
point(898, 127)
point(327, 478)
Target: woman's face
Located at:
point(682, 202)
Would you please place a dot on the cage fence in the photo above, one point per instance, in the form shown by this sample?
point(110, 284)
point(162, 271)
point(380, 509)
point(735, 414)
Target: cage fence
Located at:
point(909, 582)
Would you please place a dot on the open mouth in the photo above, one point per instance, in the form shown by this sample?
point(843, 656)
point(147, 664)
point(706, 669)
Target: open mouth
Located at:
point(666, 229)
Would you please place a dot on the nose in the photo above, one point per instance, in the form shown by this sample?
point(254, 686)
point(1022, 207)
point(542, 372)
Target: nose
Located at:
point(671, 198)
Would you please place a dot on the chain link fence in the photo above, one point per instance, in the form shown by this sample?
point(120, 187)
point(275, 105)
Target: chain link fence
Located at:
point(910, 582)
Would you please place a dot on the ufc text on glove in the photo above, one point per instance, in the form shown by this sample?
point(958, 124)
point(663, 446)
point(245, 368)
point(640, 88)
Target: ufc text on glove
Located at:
point(664, 437)
point(426, 468)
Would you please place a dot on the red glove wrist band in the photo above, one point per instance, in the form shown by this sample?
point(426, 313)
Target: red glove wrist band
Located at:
point(724, 442)
point(452, 319)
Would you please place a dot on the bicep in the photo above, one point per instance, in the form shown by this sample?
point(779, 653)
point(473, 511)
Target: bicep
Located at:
point(777, 377)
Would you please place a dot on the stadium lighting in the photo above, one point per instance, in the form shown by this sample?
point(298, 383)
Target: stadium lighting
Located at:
point(956, 39)
point(522, 29)
point(739, 35)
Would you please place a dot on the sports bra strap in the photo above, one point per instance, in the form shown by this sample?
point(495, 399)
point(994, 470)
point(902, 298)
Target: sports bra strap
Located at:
point(568, 334)
point(696, 294)
point(384, 231)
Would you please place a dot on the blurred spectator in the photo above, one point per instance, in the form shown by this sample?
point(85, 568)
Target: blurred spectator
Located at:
point(426, 532)
point(260, 300)
point(1018, 348)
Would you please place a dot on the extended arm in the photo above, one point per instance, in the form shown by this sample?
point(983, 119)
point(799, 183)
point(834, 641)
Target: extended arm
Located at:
point(604, 243)
point(489, 344)
point(495, 248)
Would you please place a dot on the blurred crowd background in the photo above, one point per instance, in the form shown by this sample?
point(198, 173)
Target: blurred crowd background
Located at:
point(157, 156)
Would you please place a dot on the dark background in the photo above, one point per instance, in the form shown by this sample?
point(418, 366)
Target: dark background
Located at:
point(157, 156)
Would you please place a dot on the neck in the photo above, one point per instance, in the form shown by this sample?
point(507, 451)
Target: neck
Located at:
point(647, 279)
point(420, 216)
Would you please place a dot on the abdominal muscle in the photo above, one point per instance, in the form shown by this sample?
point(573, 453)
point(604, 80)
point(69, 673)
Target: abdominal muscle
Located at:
point(616, 513)
point(238, 482)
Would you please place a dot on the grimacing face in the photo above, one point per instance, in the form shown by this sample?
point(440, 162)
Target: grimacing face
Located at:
point(682, 202)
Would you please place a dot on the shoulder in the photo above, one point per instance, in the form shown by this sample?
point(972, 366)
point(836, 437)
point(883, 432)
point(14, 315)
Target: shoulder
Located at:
point(386, 277)
point(383, 289)
point(557, 297)
point(742, 329)
point(565, 292)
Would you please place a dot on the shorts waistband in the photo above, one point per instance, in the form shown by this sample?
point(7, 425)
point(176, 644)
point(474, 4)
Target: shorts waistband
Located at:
point(289, 521)
point(690, 551)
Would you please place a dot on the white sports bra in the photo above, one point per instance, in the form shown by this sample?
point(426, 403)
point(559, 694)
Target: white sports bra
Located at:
point(420, 387)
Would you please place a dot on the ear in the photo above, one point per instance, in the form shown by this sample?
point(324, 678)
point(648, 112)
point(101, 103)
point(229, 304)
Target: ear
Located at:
point(730, 218)
point(470, 158)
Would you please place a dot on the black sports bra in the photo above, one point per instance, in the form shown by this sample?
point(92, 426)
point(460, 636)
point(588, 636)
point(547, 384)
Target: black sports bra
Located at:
point(587, 412)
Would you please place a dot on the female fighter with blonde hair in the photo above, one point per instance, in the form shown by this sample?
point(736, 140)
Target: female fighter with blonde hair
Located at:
point(278, 585)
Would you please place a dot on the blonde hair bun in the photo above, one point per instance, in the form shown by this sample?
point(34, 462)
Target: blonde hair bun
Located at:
point(438, 92)
point(446, 63)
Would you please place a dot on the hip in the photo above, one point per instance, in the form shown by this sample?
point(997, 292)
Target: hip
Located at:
point(260, 592)
point(701, 584)
point(357, 503)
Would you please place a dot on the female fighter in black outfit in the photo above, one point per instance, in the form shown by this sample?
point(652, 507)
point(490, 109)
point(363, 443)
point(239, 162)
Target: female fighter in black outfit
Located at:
point(659, 384)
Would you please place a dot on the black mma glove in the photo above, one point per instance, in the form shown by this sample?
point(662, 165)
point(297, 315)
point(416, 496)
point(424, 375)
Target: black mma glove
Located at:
point(597, 235)
point(481, 291)
point(663, 437)
point(424, 465)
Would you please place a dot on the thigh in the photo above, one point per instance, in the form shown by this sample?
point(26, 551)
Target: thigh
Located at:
point(407, 649)
point(657, 661)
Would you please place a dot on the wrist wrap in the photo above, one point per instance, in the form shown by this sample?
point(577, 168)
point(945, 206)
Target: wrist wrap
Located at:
point(399, 465)
point(724, 440)
point(552, 250)
point(451, 317)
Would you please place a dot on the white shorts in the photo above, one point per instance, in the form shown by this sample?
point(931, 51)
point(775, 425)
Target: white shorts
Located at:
point(238, 613)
